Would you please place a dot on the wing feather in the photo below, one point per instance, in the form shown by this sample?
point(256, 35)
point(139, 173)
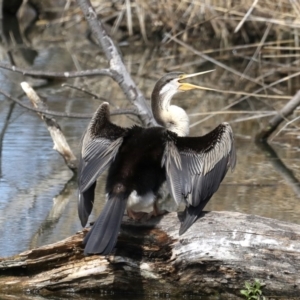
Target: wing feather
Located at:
point(195, 167)
point(99, 146)
point(99, 154)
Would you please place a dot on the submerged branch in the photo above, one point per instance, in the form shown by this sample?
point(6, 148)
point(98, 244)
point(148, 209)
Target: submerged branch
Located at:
point(60, 143)
point(286, 111)
point(287, 174)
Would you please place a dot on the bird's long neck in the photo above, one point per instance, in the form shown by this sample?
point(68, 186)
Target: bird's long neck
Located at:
point(171, 117)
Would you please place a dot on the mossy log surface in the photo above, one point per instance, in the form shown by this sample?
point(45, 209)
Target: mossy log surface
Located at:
point(218, 253)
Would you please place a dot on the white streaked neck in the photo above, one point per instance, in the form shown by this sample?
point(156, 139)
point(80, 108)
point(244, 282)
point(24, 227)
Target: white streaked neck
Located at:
point(172, 117)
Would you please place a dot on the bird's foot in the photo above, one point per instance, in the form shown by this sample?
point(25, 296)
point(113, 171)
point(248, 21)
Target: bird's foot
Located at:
point(144, 216)
point(156, 211)
point(137, 216)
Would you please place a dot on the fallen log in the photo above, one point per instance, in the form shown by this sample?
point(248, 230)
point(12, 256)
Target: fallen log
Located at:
point(217, 254)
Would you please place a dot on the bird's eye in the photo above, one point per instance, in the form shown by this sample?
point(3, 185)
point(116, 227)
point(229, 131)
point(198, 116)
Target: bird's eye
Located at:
point(181, 77)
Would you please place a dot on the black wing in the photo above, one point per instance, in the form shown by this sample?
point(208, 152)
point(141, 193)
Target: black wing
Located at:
point(195, 167)
point(100, 145)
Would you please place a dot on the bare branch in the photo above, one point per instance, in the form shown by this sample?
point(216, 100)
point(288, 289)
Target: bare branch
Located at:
point(117, 67)
point(45, 74)
point(83, 90)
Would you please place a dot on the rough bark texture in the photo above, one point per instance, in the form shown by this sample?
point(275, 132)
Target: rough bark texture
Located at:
point(218, 253)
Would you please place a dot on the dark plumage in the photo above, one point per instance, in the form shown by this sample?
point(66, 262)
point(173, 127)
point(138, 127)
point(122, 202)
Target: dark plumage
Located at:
point(140, 160)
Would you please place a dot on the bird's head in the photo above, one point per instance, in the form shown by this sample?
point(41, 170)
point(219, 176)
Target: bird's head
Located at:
point(173, 82)
point(172, 117)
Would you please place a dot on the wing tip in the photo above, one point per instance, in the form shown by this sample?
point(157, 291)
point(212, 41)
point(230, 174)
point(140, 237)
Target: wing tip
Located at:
point(99, 119)
point(190, 216)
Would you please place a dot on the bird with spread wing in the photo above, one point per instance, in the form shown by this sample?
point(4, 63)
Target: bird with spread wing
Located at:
point(141, 160)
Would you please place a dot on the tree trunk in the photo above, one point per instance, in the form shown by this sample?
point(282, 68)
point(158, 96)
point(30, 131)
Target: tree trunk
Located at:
point(217, 254)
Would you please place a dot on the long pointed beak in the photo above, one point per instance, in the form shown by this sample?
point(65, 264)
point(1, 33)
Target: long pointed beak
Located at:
point(183, 86)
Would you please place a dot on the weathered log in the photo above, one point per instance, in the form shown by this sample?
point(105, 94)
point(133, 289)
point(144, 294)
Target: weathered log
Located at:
point(218, 253)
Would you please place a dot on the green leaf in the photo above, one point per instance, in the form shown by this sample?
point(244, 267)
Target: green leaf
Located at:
point(248, 285)
point(245, 293)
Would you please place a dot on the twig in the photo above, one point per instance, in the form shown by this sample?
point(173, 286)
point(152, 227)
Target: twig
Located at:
point(258, 116)
point(45, 74)
point(60, 143)
point(229, 112)
point(245, 97)
point(285, 125)
point(238, 27)
point(63, 114)
point(117, 67)
point(258, 49)
point(83, 90)
point(216, 62)
point(287, 110)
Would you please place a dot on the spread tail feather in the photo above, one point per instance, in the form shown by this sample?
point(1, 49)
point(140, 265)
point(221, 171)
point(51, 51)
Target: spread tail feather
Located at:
point(102, 237)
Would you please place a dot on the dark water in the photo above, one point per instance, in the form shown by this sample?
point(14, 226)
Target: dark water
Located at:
point(38, 200)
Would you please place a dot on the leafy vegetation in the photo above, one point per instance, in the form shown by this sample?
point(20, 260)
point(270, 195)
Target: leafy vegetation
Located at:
point(253, 291)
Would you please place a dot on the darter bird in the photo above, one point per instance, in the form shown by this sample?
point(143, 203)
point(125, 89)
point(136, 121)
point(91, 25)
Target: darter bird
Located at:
point(140, 160)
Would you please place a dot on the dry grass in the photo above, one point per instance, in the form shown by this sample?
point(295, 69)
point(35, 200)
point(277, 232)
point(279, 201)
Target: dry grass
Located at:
point(254, 45)
point(227, 20)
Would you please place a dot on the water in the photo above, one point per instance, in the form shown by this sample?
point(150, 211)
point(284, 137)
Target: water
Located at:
point(38, 200)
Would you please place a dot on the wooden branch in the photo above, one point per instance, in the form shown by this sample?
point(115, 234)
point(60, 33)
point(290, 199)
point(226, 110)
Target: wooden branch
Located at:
point(117, 67)
point(60, 143)
point(48, 74)
point(217, 254)
point(286, 111)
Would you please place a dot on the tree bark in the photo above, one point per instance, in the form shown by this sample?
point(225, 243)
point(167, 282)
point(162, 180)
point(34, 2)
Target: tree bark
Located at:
point(217, 254)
